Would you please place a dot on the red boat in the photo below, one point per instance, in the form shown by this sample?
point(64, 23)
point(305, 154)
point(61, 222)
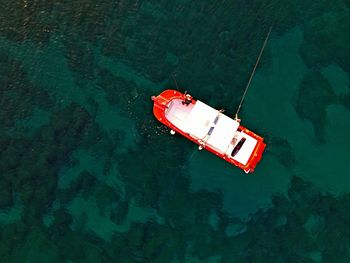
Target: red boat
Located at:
point(209, 128)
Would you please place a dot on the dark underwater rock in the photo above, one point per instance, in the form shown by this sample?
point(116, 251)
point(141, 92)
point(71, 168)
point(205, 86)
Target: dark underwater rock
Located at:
point(345, 100)
point(326, 41)
point(18, 96)
point(6, 197)
point(280, 148)
point(119, 212)
point(84, 184)
point(314, 95)
point(61, 223)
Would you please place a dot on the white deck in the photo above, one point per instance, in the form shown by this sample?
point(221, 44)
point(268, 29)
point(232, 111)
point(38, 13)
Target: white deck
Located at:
point(246, 151)
point(177, 113)
point(198, 119)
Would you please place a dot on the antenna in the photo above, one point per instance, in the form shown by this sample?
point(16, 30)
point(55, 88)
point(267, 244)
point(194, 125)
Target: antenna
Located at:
point(251, 76)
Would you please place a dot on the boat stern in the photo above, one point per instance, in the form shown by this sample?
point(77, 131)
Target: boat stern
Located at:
point(255, 157)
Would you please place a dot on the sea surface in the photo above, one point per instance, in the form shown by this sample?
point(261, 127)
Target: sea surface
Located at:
point(88, 175)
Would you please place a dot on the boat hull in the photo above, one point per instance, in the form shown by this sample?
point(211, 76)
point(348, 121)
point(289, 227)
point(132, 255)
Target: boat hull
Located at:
point(161, 103)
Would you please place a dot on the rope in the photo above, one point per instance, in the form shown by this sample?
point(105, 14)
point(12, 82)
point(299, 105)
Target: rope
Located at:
point(251, 76)
point(177, 87)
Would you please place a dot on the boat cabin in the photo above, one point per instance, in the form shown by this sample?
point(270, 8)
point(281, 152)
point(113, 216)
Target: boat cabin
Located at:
point(211, 128)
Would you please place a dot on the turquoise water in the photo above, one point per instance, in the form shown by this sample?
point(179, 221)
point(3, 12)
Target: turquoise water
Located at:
point(88, 175)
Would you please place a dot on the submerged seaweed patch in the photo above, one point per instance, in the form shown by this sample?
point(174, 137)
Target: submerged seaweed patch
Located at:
point(325, 41)
point(282, 150)
point(18, 96)
point(315, 94)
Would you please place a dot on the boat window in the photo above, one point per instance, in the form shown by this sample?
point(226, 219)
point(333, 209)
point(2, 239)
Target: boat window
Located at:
point(211, 130)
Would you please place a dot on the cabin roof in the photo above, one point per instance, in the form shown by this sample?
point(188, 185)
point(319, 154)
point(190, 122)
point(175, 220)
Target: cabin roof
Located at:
point(201, 124)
